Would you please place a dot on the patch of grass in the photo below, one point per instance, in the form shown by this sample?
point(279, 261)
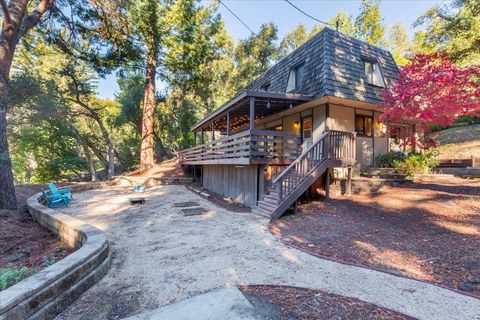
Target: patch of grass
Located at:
point(48, 261)
point(10, 276)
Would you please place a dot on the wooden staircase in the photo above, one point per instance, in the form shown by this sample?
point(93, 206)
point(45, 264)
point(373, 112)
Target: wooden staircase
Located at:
point(332, 149)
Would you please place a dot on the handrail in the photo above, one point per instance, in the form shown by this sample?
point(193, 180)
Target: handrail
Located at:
point(284, 172)
point(332, 144)
point(256, 145)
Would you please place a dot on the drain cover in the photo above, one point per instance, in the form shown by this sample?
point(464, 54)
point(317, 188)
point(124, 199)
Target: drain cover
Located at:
point(186, 204)
point(139, 200)
point(193, 211)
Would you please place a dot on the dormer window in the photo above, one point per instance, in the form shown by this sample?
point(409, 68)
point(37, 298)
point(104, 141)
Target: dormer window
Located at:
point(373, 73)
point(295, 78)
point(265, 86)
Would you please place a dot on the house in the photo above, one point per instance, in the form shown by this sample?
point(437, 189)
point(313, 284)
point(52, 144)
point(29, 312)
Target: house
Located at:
point(315, 110)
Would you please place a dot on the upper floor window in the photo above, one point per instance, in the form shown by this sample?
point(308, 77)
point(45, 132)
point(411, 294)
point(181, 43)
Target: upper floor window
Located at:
point(265, 86)
point(295, 78)
point(373, 73)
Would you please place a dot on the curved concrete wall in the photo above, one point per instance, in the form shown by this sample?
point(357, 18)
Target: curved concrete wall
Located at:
point(49, 291)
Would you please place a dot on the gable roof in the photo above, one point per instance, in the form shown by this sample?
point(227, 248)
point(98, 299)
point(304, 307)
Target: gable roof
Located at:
point(334, 66)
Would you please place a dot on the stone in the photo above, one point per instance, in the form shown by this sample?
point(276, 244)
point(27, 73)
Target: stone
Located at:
point(467, 286)
point(14, 257)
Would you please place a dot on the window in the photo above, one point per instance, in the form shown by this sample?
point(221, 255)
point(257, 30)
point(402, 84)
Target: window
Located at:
point(373, 73)
point(307, 128)
point(295, 78)
point(265, 86)
point(363, 125)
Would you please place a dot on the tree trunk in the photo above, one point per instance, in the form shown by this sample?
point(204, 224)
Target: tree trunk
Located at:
point(87, 151)
point(8, 43)
point(110, 151)
point(91, 165)
point(146, 150)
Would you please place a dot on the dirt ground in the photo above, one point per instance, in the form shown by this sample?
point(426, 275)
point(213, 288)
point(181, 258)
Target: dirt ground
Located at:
point(428, 231)
point(169, 168)
point(285, 303)
point(160, 256)
point(23, 242)
point(459, 142)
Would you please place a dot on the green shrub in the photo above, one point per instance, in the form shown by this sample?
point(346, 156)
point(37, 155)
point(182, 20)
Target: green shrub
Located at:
point(387, 160)
point(416, 163)
point(10, 276)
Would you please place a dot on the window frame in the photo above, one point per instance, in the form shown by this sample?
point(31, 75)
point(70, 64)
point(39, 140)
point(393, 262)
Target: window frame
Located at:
point(264, 87)
point(293, 72)
point(364, 116)
point(373, 62)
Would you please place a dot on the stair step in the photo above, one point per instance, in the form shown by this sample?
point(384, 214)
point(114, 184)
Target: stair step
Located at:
point(270, 198)
point(271, 202)
point(267, 206)
point(261, 212)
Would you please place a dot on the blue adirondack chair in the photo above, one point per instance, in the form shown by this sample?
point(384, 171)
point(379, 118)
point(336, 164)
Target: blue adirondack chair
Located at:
point(63, 192)
point(56, 199)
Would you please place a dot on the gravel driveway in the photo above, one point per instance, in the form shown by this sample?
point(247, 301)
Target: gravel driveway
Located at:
point(160, 257)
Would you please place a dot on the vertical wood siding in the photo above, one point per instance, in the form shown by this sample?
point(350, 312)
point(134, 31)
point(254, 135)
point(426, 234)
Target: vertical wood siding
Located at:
point(236, 182)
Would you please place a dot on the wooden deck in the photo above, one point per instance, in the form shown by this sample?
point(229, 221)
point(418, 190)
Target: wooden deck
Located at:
point(246, 147)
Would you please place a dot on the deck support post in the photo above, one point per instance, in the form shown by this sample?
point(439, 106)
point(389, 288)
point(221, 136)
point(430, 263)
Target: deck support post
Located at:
point(349, 181)
point(213, 132)
point(252, 113)
point(202, 137)
point(327, 185)
point(228, 123)
point(194, 138)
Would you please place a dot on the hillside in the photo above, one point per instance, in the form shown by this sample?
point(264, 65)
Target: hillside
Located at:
point(459, 142)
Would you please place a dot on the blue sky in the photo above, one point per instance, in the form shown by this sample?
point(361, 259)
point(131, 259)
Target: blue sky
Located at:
point(286, 18)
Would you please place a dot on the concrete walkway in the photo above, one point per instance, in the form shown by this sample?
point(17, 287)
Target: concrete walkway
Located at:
point(161, 257)
point(219, 304)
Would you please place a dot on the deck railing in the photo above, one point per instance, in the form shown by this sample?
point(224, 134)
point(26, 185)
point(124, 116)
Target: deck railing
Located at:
point(251, 146)
point(333, 145)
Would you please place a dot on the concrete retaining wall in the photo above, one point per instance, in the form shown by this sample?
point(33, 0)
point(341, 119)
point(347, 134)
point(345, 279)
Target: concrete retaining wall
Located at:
point(49, 291)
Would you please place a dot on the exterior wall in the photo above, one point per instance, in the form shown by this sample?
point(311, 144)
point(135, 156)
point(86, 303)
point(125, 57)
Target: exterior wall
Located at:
point(289, 123)
point(319, 115)
point(341, 118)
point(381, 139)
point(237, 182)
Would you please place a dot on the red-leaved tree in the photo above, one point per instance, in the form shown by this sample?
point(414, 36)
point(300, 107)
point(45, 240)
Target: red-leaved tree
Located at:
point(431, 90)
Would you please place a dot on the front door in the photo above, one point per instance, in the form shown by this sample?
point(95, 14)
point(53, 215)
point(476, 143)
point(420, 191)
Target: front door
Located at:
point(307, 135)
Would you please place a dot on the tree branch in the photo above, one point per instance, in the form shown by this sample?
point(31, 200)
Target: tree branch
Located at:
point(6, 14)
point(33, 18)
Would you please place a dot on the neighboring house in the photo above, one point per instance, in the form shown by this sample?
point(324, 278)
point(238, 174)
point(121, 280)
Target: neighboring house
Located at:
point(314, 110)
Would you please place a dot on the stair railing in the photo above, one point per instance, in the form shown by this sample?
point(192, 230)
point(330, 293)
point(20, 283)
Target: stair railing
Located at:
point(331, 144)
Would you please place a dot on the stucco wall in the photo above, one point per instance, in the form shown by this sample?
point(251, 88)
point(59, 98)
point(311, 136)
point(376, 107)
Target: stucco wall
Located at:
point(289, 123)
point(318, 121)
point(341, 118)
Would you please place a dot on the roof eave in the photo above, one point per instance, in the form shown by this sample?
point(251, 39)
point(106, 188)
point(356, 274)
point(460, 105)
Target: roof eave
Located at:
point(250, 94)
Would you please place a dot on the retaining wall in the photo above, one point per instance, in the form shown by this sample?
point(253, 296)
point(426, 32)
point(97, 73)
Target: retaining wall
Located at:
point(49, 291)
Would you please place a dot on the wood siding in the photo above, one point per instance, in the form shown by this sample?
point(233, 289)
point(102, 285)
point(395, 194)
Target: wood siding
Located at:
point(237, 182)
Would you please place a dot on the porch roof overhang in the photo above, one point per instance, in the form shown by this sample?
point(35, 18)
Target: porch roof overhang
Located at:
point(265, 103)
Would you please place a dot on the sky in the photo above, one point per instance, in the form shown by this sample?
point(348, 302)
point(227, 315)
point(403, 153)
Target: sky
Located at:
point(256, 12)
